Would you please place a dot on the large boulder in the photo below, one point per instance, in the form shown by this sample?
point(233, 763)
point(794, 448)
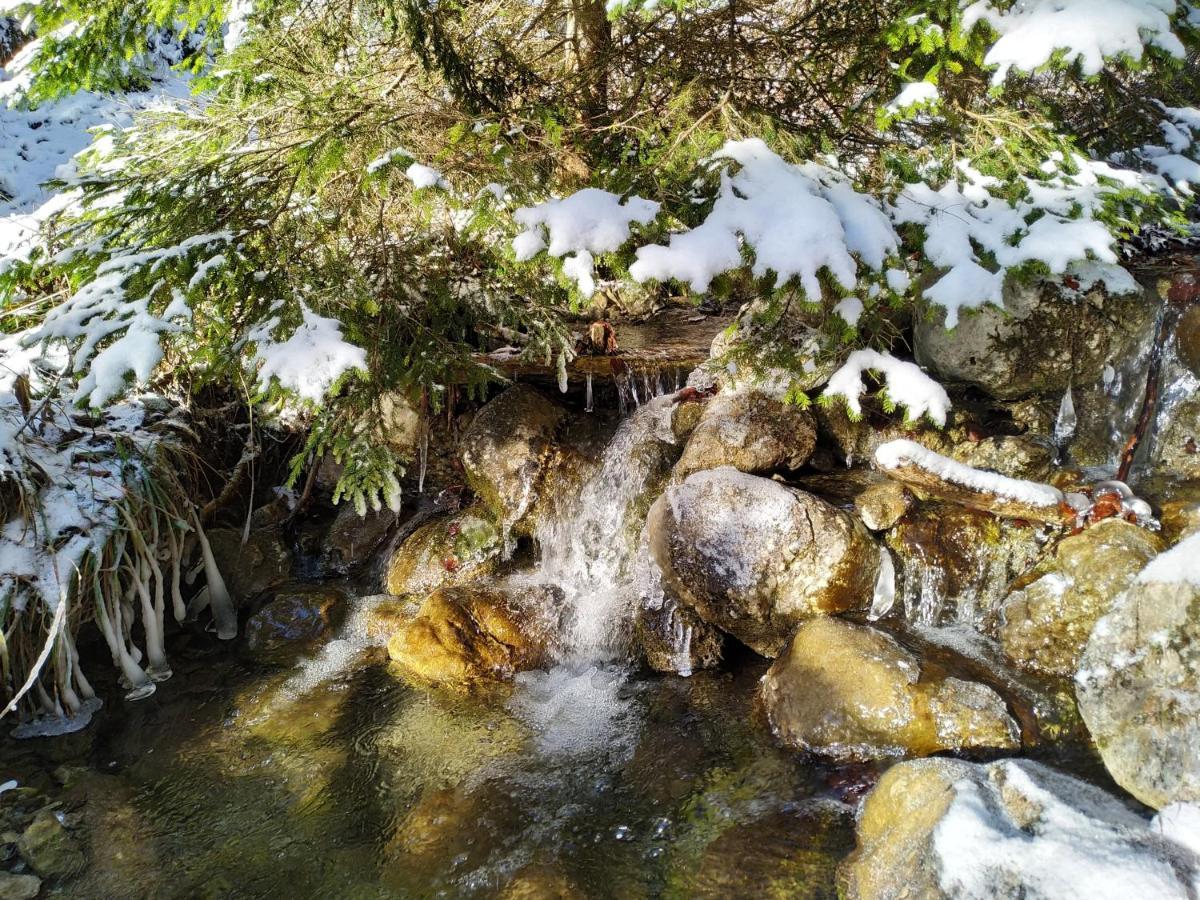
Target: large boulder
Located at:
point(755, 558)
point(1045, 625)
point(946, 829)
point(465, 636)
point(751, 430)
point(1046, 337)
point(506, 449)
point(448, 550)
point(1138, 682)
point(852, 692)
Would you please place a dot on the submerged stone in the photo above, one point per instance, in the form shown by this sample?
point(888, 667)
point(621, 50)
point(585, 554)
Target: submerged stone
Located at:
point(49, 848)
point(294, 623)
point(755, 558)
point(1045, 626)
point(946, 828)
point(19, 887)
point(462, 636)
point(852, 692)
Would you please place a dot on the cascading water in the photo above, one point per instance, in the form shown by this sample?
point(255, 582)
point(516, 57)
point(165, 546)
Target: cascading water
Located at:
point(589, 546)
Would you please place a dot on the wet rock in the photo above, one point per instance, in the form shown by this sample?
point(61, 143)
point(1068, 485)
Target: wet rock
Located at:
point(295, 622)
point(855, 442)
point(462, 636)
point(754, 557)
point(1022, 456)
point(1045, 625)
point(446, 551)
point(945, 828)
point(384, 614)
point(352, 539)
point(852, 692)
point(541, 882)
point(1187, 339)
point(255, 567)
point(49, 849)
point(1138, 685)
point(954, 564)
point(1175, 447)
point(751, 430)
point(19, 887)
point(675, 640)
point(1044, 338)
point(882, 504)
point(505, 451)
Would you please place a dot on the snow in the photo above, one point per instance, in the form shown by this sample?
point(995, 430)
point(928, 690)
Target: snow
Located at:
point(310, 361)
point(913, 93)
point(237, 23)
point(1022, 829)
point(797, 219)
point(1179, 822)
point(1179, 565)
point(588, 222)
point(850, 310)
point(900, 453)
point(963, 217)
point(905, 383)
point(423, 176)
point(1084, 31)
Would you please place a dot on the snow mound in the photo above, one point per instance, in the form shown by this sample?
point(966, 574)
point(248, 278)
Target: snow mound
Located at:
point(901, 453)
point(310, 361)
point(1179, 565)
point(906, 385)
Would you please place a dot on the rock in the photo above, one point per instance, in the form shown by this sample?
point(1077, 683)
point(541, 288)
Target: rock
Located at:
point(505, 450)
point(1045, 625)
point(352, 539)
point(945, 829)
point(793, 853)
point(49, 848)
point(462, 636)
point(384, 614)
point(855, 442)
point(541, 882)
point(755, 558)
point(1138, 683)
point(954, 564)
point(675, 640)
point(1044, 339)
point(263, 562)
point(883, 504)
point(295, 622)
point(752, 431)
point(399, 423)
point(1187, 339)
point(19, 887)
point(852, 692)
point(1175, 445)
point(1021, 456)
point(446, 551)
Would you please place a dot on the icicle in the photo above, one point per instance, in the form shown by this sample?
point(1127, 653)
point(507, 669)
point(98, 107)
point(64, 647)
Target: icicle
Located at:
point(1064, 426)
point(176, 552)
point(423, 450)
point(224, 613)
point(562, 373)
point(588, 407)
point(885, 587)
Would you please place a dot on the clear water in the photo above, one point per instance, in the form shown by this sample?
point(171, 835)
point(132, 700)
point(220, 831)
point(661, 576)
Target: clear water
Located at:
point(226, 784)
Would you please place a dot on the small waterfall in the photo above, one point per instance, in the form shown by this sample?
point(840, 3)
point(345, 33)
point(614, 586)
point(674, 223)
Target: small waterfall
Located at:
point(589, 547)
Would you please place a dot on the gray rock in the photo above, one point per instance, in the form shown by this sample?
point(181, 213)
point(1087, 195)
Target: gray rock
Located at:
point(249, 569)
point(751, 430)
point(1044, 339)
point(755, 558)
point(1138, 687)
